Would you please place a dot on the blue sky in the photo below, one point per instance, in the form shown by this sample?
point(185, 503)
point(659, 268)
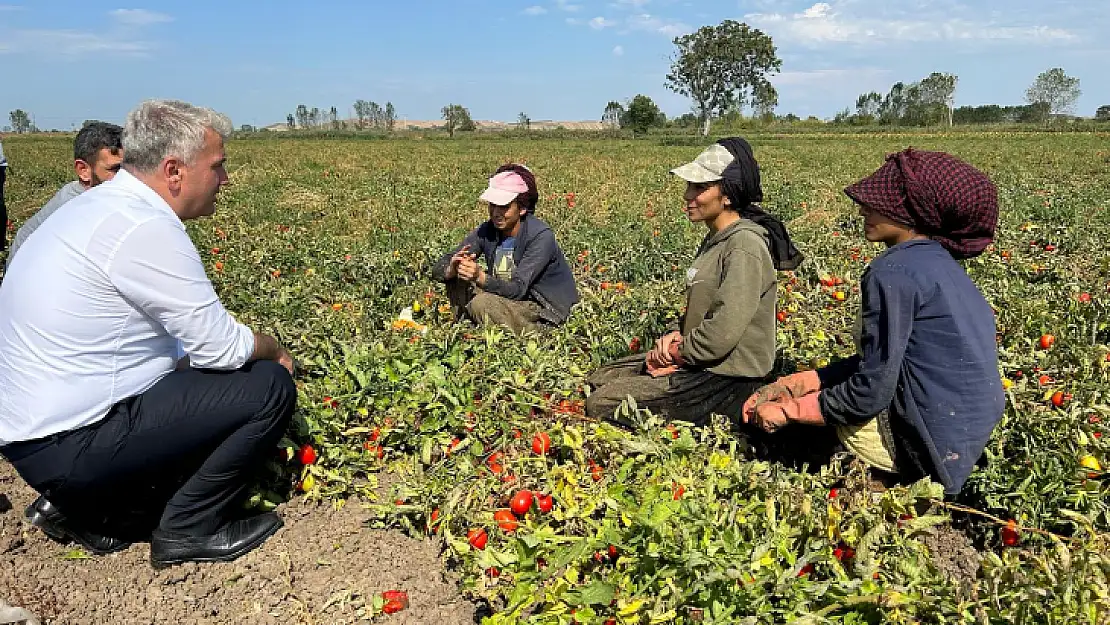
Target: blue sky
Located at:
point(67, 61)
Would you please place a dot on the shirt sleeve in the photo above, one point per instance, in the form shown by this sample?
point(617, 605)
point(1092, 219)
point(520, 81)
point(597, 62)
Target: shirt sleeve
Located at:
point(157, 268)
point(536, 257)
point(890, 301)
point(439, 270)
point(733, 307)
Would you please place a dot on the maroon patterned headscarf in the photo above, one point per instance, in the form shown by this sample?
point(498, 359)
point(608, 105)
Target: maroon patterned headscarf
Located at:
point(938, 195)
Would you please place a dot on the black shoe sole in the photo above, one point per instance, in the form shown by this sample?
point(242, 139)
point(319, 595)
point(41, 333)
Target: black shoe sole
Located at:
point(62, 535)
point(227, 557)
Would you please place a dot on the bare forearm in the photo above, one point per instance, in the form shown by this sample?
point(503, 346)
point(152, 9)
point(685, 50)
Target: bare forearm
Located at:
point(266, 347)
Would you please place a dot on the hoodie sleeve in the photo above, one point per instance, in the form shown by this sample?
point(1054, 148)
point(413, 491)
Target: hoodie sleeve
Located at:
point(889, 304)
point(537, 255)
point(439, 270)
point(732, 310)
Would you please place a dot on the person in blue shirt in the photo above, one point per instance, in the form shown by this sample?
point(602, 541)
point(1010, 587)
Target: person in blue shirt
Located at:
point(923, 394)
point(525, 281)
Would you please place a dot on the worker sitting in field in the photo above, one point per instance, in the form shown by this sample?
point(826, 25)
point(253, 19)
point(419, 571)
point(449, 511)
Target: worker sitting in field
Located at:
point(923, 394)
point(723, 347)
point(526, 282)
point(97, 155)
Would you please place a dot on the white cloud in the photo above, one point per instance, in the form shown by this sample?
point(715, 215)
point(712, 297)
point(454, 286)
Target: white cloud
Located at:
point(825, 23)
point(10, 7)
point(824, 76)
point(649, 23)
point(636, 4)
point(139, 17)
point(535, 10)
point(599, 23)
point(566, 5)
point(618, 51)
point(69, 43)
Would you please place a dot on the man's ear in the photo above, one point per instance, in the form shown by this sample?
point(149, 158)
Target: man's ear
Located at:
point(84, 171)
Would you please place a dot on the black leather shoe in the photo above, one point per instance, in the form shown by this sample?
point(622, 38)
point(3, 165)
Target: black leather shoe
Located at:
point(234, 540)
point(43, 515)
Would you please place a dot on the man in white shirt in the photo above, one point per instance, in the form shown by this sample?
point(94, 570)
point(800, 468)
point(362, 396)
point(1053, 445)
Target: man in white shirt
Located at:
point(97, 156)
point(99, 412)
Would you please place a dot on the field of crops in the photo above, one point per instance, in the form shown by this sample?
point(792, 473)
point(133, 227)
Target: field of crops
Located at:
point(324, 242)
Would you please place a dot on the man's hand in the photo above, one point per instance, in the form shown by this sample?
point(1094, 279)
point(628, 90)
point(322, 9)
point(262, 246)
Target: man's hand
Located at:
point(457, 258)
point(469, 270)
point(770, 417)
point(266, 347)
point(285, 359)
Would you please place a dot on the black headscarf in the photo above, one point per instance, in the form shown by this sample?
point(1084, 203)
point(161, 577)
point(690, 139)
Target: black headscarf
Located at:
point(741, 185)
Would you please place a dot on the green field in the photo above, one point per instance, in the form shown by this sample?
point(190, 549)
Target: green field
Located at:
point(323, 242)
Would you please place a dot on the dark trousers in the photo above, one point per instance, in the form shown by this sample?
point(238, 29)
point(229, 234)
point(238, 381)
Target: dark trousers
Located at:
point(178, 457)
point(3, 211)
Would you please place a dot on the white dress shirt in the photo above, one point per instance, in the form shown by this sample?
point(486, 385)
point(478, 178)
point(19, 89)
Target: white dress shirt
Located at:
point(98, 306)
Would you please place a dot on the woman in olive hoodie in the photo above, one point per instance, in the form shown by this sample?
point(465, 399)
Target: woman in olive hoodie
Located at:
point(723, 346)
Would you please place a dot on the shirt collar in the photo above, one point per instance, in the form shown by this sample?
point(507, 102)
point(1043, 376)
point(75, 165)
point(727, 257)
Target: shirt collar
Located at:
point(125, 180)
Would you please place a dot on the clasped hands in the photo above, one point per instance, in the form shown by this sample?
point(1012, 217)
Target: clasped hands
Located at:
point(665, 358)
point(792, 398)
point(464, 265)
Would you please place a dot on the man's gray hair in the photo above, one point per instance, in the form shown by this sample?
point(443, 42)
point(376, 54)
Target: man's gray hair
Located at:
point(159, 129)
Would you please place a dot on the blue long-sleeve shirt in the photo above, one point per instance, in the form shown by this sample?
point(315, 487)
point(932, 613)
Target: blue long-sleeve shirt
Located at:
point(928, 354)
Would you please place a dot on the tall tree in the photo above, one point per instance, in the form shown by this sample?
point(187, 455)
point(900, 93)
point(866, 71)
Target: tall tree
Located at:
point(938, 91)
point(302, 116)
point(457, 117)
point(524, 121)
point(720, 67)
point(375, 115)
point(334, 115)
point(642, 113)
point(290, 121)
point(390, 116)
point(21, 121)
point(867, 107)
point(361, 112)
point(1055, 89)
point(1103, 113)
point(613, 114)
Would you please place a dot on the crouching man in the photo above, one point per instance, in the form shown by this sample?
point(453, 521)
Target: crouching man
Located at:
point(130, 399)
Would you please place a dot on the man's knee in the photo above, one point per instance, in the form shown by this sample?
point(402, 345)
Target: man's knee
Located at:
point(272, 383)
point(485, 306)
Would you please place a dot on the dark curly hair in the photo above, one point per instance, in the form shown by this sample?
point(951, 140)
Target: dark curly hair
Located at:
point(528, 199)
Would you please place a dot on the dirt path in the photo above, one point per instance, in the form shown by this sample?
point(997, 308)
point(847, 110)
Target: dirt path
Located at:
point(322, 568)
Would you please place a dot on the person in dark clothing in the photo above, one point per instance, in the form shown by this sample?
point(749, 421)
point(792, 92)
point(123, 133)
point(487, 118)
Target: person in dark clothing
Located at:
point(923, 394)
point(526, 282)
point(723, 347)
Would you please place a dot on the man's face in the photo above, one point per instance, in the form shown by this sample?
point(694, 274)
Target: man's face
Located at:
point(103, 168)
point(200, 182)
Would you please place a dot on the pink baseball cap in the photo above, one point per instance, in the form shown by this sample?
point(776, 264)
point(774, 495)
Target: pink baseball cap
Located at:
point(503, 188)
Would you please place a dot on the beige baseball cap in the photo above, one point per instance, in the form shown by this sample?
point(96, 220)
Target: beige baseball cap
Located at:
point(709, 166)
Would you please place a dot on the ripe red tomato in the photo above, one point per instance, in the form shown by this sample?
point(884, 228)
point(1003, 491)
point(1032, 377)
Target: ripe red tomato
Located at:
point(494, 463)
point(634, 344)
point(399, 596)
point(393, 607)
point(1058, 399)
point(806, 570)
point(679, 490)
point(1010, 535)
point(833, 493)
point(1084, 298)
point(477, 538)
point(541, 443)
point(545, 503)
point(613, 553)
point(506, 521)
point(1044, 379)
point(521, 502)
point(1047, 341)
point(306, 454)
point(596, 472)
point(781, 316)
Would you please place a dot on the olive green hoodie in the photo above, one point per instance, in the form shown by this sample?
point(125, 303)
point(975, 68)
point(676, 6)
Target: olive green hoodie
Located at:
point(729, 324)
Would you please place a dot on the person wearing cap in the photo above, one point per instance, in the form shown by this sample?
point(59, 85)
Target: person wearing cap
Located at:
point(526, 282)
point(923, 394)
point(723, 347)
point(97, 157)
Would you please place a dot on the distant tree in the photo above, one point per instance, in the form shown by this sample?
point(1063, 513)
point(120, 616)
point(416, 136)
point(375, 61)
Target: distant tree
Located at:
point(457, 118)
point(986, 114)
point(361, 113)
point(790, 117)
point(21, 121)
point(938, 92)
point(290, 121)
point(764, 100)
point(302, 116)
point(375, 115)
point(246, 128)
point(524, 121)
point(1103, 113)
point(642, 114)
point(1055, 89)
point(613, 114)
point(390, 116)
point(720, 67)
point(843, 117)
point(333, 117)
point(867, 107)
point(314, 117)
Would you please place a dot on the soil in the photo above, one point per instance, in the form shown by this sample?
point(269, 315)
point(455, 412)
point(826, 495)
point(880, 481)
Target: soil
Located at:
point(322, 567)
point(953, 554)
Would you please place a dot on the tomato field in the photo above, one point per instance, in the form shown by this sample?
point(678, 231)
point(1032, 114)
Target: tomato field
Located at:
point(324, 242)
